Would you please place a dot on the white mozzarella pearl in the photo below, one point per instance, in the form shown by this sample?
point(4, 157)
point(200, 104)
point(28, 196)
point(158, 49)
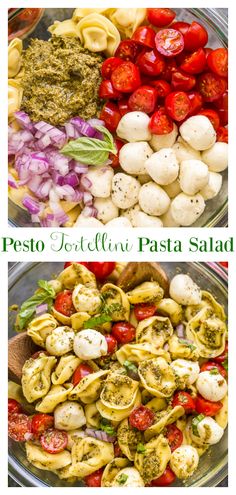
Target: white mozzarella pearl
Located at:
point(184, 290)
point(209, 432)
point(185, 152)
point(60, 341)
point(119, 222)
point(125, 191)
point(184, 461)
point(130, 213)
point(186, 371)
point(163, 167)
point(69, 416)
point(133, 478)
point(187, 209)
point(153, 199)
point(216, 157)
point(133, 126)
point(168, 220)
point(100, 181)
point(89, 222)
point(90, 344)
point(199, 132)
point(193, 176)
point(144, 220)
point(172, 189)
point(212, 386)
point(133, 156)
point(106, 209)
point(213, 187)
point(159, 141)
point(86, 299)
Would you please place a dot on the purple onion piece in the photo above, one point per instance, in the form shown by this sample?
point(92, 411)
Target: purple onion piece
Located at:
point(41, 308)
point(180, 331)
point(32, 206)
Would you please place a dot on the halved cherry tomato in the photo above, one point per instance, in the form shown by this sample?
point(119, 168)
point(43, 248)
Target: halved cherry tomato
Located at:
point(185, 400)
point(169, 42)
point(40, 423)
point(195, 37)
point(54, 441)
point(163, 87)
point(222, 107)
point(160, 17)
point(160, 122)
point(19, 427)
point(225, 264)
point(126, 77)
point(207, 50)
point(217, 60)
point(107, 91)
point(143, 99)
point(123, 106)
point(94, 479)
point(170, 67)
point(211, 86)
point(209, 365)
point(195, 62)
point(181, 26)
point(212, 115)
point(143, 311)
point(80, 372)
point(14, 406)
point(222, 135)
point(196, 102)
point(141, 418)
point(109, 65)
point(165, 479)
point(128, 50)
point(145, 36)
point(151, 63)
point(69, 263)
point(207, 407)
point(111, 116)
point(64, 304)
point(123, 332)
point(177, 105)
point(115, 158)
point(174, 436)
point(102, 269)
point(223, 356)
point(182, 81)
point(111, 344)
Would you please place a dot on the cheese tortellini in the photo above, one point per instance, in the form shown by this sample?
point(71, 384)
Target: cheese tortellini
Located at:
point(152, 463)
point(36, 377)
point(157, 377)
point(155, 330)
point(208, 333)
point(14, 57)
point(89, 455)
point(40, 327)
point(98, 34)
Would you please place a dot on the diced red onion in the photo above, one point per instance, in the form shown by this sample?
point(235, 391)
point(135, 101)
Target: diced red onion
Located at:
point(24, 120)
point(86, 182)
point(166, 346)
point(31, 204)
point(80, 168)
point(38, 163)
point(94, 122)
point(180, 331)
point(100, 435)
point(88, 198)
point(41, 308)
point(89, 211)
point(71, 179)
point(12, 182)
point(43, 142)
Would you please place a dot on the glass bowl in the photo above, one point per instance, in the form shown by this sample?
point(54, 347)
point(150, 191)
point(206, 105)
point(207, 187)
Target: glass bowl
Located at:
point(23, 279)
point(215, 21)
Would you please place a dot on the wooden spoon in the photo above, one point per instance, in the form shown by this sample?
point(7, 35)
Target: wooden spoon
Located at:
point(135, 273)
point(20, 348)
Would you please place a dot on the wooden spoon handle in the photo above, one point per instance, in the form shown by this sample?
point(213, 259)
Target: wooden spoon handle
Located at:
point(20, 348)
point(136, 273)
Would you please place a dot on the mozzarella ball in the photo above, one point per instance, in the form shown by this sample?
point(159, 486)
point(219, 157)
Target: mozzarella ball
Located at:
point(130, 213)
point(99, 181)
point(209, 432)
point(216, 157)
point(212, 385)
point(172, 189)
point(90, 222)
point(133, 156)
point(185, 152)
point(187, 209)
point(119, 222)
point(141, 219)
point(184, 290)
point(125, 191)
point(199, 132)
point(193, 176)
point(153, 199)
point(106, 209)
point(144, 178)
point(132, 478)
point(163, 167)
point(168, 220)
point(159, 141)
point(90, 344)
point(184, 461)
point(187, 371)
point(68, 416)
point(133, 126)
point(60, 341)
point(86, 299)
point(213, 187)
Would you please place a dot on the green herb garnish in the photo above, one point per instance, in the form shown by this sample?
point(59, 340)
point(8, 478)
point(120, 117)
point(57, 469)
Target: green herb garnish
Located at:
point(195, 421)
point(141, 448)
point(91, 151)
point(122, 479)
point(106, 426)
point(214, 371)
point(225, 365)
point(187, 343)
point(130, 366)
point(97, 320)
point(44, 295)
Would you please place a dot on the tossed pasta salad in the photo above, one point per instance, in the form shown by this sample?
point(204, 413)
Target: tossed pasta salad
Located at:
point(128, 384)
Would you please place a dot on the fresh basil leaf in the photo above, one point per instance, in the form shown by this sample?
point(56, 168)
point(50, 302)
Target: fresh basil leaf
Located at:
point(91, 151)
point(97, 320)
point(130, 366)
point(27, 310)
point(214, 371)
point(43, 284)
point(195, 421)
point(106, 426)
point(141, 448)
point(122, 478)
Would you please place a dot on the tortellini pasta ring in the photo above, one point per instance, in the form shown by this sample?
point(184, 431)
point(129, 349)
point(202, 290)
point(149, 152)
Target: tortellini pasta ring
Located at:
point(56, 395)
point(127, 20)
point(116, 414)
point(88, 455)
point(157, 377)
point(43, 460)
point(119, 391)
point(156, 330)
point(208, 333)
point(128, 439)
point(65, 28)
point(36, 376)
point(112, 469)
point(89, 388)
point(77, 274)
point(152, 463)
point(116, 301)
point(140, 352)
point(147, 292)
point(65, 369)
point(163, 419)
point(40, 327)
point(98, 34)
point(15, 93)
point(14, 57)
point(169, 307)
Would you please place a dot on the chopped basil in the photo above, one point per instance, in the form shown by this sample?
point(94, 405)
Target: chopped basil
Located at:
point(96, 321)
point(187, 343)
point(214, 371)
point(131, 370)
point(195, 421)
point(122, 479)
point(141, 448)
point(225, 365)
point(106, 426)
point(44, 295)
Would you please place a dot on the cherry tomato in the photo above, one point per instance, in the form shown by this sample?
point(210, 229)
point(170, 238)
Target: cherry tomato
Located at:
point(123, 332)
point(143, 311)
point(151, 63)
point(223, 356)
point(212, 115)
point(177, 105)
point(209, 365)
point(94, 479)
point(163, 87)
point(195, 37)
point(143, 99)
point(40, 423)
point(207, 50)
point(141, 418)
point(128, 50)
point(54, 441)
point(64, 304)
point(160, 122)
point(170, 67)
point(160, 17)
point(123, 106)
point(145, 36)
point(174, 436)
point(195, 62)
point(169, 42)
point(115, 158)
point(207, 407)
point(196, 102)
point(222, 107)
point(165, 479)
point(222, 135)
point(69, 263)
point(111, 344)
point(126, 77)
point(14, 406)
point(224, 263)
point(185, 400)
point(106, 90)
point(181, 26)
point(19, 427)
point(182, 81)
point(211, 86)
point(102, 269)
point(109, 65)
point(80, 372)
point(111, 116)
point(217, 60)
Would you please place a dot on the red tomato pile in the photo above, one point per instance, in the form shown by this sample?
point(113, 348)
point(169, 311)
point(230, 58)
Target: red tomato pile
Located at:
point(166, 71)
